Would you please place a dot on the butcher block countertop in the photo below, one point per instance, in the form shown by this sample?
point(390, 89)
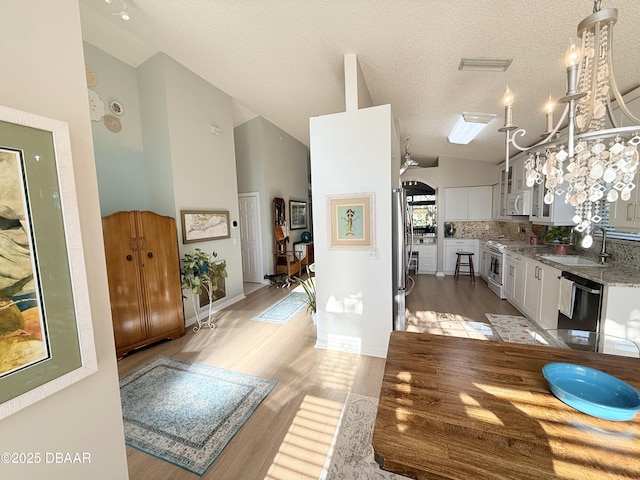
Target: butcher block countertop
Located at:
point(459, 408)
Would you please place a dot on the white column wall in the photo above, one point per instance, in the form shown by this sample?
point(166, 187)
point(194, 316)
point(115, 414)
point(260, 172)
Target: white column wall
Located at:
point(351, 154)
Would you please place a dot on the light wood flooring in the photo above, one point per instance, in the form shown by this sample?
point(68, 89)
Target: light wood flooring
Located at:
point(289, 435)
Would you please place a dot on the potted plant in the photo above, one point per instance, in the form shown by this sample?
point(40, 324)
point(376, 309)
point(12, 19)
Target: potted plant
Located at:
point(309, 288)
point(198, 271)
point(560, 237)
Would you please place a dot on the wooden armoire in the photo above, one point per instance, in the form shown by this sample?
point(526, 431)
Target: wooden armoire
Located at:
point(143, 266)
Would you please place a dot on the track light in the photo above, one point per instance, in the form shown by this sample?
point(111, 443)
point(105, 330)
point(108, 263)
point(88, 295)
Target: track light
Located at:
point(123, 14)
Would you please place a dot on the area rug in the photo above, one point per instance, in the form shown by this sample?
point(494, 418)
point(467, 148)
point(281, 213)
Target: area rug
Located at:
point(516, 329)
point(283, 311)
point(351, 453)
point(186, 413)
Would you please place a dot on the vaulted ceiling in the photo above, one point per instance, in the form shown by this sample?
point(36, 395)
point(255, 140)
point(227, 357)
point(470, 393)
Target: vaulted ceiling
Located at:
point(283, 59)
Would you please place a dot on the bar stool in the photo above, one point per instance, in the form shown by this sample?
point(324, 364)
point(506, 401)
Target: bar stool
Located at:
point(468, 263)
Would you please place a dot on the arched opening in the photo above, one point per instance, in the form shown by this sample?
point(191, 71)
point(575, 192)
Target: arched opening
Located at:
point(421, 201)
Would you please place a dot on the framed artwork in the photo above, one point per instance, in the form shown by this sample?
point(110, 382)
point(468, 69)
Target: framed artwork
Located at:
point(203, 225)
point(351, 221)
point(298, 214)
point(46, 332)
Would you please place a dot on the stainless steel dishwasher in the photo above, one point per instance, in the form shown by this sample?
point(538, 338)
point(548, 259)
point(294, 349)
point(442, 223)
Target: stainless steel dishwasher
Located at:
point(587, 305)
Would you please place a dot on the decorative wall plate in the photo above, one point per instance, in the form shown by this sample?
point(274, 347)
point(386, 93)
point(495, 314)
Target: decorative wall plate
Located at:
point(112, 123)
point(92, 78)
point(116, 107)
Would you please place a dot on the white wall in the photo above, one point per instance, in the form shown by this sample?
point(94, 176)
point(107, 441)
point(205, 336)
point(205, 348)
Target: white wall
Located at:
point(44, 73)
point(351, 154)
point(190, 168)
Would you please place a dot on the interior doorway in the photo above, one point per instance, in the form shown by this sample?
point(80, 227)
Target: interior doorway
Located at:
point(250, 237)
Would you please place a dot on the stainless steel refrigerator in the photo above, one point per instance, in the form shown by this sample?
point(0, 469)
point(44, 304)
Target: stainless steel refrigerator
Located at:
point(400, 257)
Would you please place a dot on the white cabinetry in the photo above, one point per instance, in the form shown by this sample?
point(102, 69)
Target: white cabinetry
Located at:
point(540, 291)
point(484, 260)
point(427, 258)
point(468, 203)
point(626, 214)
point(453, 246)
point(557, 213)
point(516, 179)
point(514, 279)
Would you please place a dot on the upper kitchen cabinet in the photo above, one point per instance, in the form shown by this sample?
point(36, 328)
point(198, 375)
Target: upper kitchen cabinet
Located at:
point(626, 213)
point(516, 181)
point(468, 203)
point(558, 213)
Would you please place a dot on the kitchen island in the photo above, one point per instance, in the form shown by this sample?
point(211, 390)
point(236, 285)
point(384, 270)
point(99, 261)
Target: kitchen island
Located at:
point(453, 408)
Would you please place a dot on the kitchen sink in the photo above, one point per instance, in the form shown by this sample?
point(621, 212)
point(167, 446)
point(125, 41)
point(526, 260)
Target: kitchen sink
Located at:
point(574, 260)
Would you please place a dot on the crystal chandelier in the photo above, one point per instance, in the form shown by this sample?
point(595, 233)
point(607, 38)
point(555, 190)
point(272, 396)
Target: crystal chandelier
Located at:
point(595, 165)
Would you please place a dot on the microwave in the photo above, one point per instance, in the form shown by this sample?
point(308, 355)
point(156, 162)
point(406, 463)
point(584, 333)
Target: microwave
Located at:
point(519, 203)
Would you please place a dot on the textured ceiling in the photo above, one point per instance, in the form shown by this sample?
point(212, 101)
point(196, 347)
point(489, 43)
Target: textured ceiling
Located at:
point(283, 59)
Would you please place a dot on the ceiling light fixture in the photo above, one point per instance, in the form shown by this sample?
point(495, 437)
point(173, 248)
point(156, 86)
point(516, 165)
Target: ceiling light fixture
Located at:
point(600, 163)
point(468, 126)
point(124, 13)
point(484, 64)
point(408, 161)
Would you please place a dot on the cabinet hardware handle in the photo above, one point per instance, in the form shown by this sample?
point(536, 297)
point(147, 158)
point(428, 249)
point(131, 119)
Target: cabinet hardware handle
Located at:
point(150, 254)
point(129, 258)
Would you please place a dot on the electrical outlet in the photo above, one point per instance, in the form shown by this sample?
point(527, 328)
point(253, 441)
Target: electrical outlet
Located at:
point(486, 227)
point(372, 254)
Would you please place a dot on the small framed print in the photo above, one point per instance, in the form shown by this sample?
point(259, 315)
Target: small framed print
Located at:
point(298, 214)
point(204, 225)
point(116, 107)
point(351, 221)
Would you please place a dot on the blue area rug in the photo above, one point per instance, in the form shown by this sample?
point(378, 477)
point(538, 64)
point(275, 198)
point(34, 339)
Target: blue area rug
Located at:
point(186, 413)
point(283, 310)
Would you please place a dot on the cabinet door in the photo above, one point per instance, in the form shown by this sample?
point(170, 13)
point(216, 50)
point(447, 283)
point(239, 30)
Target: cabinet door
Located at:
point(517, 171)
point(455, 205)
point(125, 283)
point(509, 279)
point(532, 289)
point(479, 202)
point(549, 296)
point(161, 273)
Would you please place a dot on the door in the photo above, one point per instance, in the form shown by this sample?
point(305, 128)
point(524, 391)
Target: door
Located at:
point(160, 267)
point(250, 239)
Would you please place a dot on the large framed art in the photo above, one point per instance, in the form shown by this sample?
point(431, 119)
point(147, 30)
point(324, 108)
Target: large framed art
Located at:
point(204, 225)
point(46, 334)
point(351, 221)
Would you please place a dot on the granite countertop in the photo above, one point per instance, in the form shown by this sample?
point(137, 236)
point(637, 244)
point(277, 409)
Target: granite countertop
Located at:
point(613, 275)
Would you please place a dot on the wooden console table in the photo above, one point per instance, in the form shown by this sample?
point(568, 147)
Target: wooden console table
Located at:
point(459, 408)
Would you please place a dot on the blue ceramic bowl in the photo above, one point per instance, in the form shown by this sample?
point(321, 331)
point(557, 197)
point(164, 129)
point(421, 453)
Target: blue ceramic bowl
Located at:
point(592, 392)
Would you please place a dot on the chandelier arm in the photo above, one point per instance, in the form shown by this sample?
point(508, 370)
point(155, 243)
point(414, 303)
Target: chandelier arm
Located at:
point(609, 133)
point(614, 86)
point(522, 132)
point(594, 77)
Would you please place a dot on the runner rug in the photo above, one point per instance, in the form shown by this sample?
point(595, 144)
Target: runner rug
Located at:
point(186, 413)
point(284, 309)
point(517, 329)
point(351, 453)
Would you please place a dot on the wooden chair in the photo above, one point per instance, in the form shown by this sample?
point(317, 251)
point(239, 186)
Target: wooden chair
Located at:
point(468, 263)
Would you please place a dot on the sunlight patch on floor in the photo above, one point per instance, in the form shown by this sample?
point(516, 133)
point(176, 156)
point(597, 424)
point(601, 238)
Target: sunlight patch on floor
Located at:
point(337, 370)
point(303, 451)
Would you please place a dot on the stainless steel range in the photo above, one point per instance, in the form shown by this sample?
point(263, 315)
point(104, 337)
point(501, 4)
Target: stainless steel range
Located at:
point(497, 254)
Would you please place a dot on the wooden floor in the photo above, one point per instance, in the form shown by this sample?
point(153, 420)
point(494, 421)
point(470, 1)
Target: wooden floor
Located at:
point(289, 435)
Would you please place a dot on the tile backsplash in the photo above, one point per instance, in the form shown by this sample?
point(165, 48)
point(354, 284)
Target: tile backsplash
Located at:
point(622, 251)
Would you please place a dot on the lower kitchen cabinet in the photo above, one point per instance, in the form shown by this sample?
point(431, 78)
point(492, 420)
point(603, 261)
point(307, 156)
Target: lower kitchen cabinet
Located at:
point(515, 279)
point(540, 289)
point(427, 258)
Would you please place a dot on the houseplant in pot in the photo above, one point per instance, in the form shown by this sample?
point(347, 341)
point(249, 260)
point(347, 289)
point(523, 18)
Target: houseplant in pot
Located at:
point(560, 237)
point(199, 271)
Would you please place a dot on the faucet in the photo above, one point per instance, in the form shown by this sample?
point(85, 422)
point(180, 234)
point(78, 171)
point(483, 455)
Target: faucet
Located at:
point(603, 254)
